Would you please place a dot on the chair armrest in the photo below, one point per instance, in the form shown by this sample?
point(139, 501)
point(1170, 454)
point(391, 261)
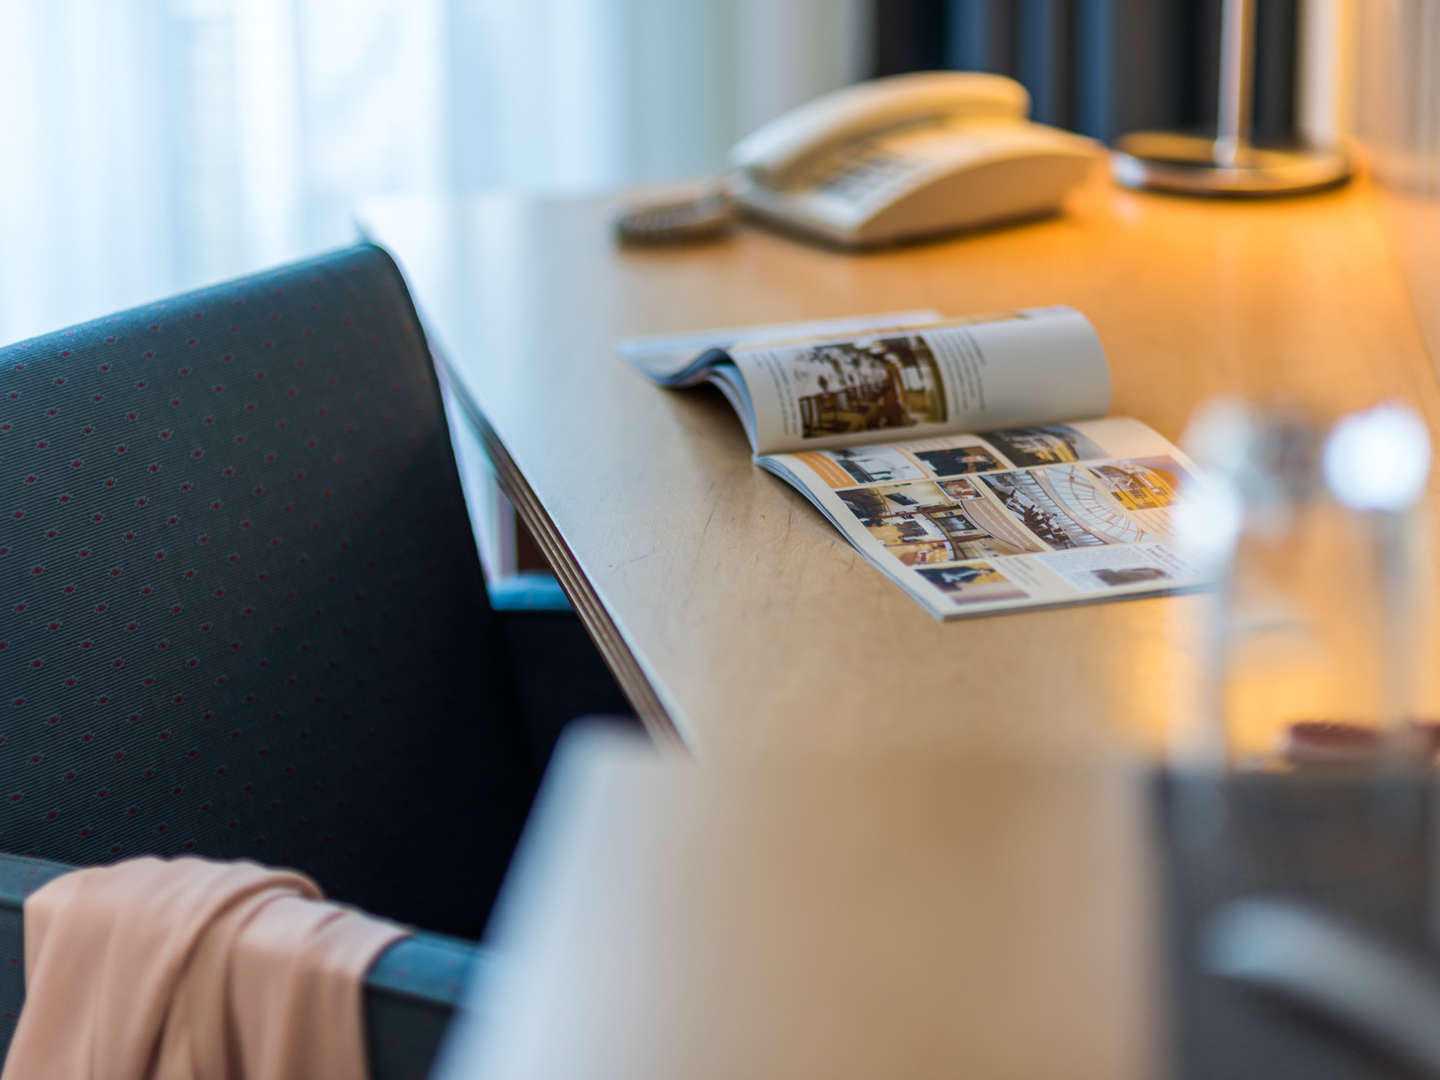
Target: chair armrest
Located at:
point(529, 591)
point(19, 877)
point(411, 990)
point(411, 993)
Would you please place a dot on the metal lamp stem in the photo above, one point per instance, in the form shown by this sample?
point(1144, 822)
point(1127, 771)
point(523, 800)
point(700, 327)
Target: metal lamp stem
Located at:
point(1227, 163)
point(1237, 67)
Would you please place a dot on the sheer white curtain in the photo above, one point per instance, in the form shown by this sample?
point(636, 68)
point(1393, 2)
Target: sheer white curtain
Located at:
point(152, 145)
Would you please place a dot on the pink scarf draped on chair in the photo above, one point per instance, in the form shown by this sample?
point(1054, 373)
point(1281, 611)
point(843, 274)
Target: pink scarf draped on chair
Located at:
point(191, 968)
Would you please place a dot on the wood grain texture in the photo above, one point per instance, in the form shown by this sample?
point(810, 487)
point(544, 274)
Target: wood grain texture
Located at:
point(752, 621)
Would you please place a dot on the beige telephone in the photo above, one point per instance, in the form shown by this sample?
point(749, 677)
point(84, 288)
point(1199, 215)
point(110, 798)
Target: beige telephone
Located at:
point(897, 159)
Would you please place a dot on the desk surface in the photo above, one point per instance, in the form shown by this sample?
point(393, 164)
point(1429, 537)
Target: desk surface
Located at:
point(892, 917)
point(732, 612)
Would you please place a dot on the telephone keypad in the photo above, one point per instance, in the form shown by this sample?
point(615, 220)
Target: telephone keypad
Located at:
point(857, 174)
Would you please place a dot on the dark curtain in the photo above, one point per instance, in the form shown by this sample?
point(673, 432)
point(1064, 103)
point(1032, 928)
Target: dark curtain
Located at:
point(1102, 67)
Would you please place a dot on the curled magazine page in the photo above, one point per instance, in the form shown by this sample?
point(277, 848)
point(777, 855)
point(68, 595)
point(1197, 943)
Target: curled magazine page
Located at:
point(1017, 518)
point(686, 359)
point(727, 379)
point(1038, 365)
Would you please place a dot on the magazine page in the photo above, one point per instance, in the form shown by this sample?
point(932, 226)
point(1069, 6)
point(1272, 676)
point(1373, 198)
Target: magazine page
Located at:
point(686, 359)
point(1038, 365)
point(1023, 517)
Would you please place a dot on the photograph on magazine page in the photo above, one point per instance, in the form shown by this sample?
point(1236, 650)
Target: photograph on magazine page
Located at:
point(845, 387)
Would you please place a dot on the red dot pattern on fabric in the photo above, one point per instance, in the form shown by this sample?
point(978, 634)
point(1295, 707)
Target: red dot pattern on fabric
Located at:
point(214, 538)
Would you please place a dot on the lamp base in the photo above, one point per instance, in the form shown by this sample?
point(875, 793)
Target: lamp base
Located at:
point(1189, 165)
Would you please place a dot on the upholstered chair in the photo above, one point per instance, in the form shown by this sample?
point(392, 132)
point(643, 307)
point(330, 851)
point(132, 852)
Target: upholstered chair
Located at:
point(241, 609)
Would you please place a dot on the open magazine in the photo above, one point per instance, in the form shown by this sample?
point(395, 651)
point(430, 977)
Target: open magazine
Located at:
point(969, 460)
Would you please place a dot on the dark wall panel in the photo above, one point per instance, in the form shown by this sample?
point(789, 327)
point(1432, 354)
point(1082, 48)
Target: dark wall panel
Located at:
point(1044, 58)
point(1126, 66)
point(1102, 67)
point(980, 36)
point(909, 35)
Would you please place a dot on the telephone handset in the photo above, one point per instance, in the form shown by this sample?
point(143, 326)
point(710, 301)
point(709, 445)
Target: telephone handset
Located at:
point(899, 158)
point(866, 111)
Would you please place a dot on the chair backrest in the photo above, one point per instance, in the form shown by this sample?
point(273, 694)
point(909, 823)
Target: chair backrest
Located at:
point(241, 610)
point(411, 991)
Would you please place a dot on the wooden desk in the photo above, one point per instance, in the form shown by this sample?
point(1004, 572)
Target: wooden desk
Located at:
point(731, 612)
point(932, 917)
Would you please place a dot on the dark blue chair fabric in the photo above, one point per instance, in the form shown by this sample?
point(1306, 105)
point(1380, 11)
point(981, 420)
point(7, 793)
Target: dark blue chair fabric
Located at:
point(242, 615)
point(242, 609)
